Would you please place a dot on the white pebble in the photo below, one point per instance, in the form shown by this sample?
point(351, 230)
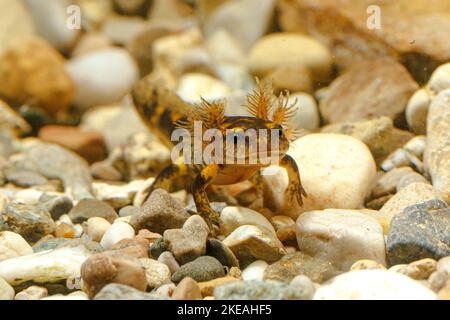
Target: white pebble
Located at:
point(118, 231)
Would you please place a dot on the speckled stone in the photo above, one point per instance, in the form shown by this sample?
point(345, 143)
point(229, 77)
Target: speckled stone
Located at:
point(420, 231)
point(204, 268)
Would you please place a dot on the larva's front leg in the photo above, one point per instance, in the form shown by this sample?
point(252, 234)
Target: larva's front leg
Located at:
point(295, 189)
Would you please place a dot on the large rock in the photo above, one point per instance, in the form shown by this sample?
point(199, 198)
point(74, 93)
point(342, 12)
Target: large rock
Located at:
point(359, 94)
point(408, 30)
point(419, 231)
point(290, 49)
point(331, 178)
point(340, 237)
point(412, 194)
point(29, 221)
point(31, 71)
point(373, 285)
point(437, 151)
point(160, 213)
point(233, 16)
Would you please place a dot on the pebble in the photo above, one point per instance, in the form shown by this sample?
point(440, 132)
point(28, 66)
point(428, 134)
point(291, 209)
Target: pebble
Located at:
point(440, 79)
point(45, 267)
point(412, 177)
point(11, 31)
point(387, 182)
point(410, 195)
point(159, 213)
point(32, 293)
point(416, 146)
point(419, 231)
point(118, 231)
point(122, 29)
point(370, 88)
point(293, 79)
point(401, 158)
point(166, 290)
point(64, 230)
point(56, 205)
point(28, 196)
point(157, 273)
point(302, 281)
point(232, 218)
point(194, 86)
point(340, 237)
point(169, 260)
point(25, 178)
point(373, 285)
point(290, 49)
point(53, 162)
point(203, 268)
point(118, 291)
point(318, 156)
point(249, 243)
point(221, 252)
point(90, 42)
point(255, 270)
point(49, 243)
point(131, 247)
point(187, 289)
point(187, 243)
point(96, 228)
point(6, 291)
point(76, 295)
point(157, 248)
point(11, 121)
point(437, 150)
point(39, 75)
point(88, 144)
point(102, 77)
point(260, 290)
point(50, 20)
point(109, 267)
point(366, 264)
point(307, 115)
point(89, 208)
point(31, 222)
point(417, 110)
point(12, 245)
point(207, 288)
point(295, 264)
point(234, 16)
point(117, 196)
point(417, 270)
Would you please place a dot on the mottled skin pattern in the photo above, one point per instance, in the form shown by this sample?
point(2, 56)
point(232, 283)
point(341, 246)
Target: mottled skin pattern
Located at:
point(160, 109)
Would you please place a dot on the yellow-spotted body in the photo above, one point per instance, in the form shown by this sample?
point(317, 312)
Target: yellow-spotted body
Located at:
point(163, 111)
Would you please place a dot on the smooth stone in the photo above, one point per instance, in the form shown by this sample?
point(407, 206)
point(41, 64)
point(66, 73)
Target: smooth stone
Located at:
point(215, 248)
point(26, 178)
point(157, 273)
point(166, 290)
point(90, 42)
point(45, 267)
point(38, 75)
point(232, 218)
point(187, 289)
point(250, 243)
point(51, 243)
point(340, 237)
point(111, 267)
point(366, 264)
point(302, 281)
point(437, 150)
point(117, 232)
point(188, 243)
point(102, 77)
point(194, 86)
point(317, 156)
point(419, 231)
point(373, 285)
point(128, 211)
point(122, 29)
point(412, 177)
point(157, 248)
point(203, 268)
point(6, 291)
point(159, 213)
point(11, 121)
point(417, 270)
point(290, 49)
point(169, 260)
point(12, 245)
point(386, 183)
point(89, 208)
point(76, 295)
point(307, 115)
point(260, 290)
point(416, 146)
point(31, 222)
point(417, 110)
point(207, 288)
point(28, 196)
point(359, 94)
point(440, 79)
point(10, 30)
point(295, 264)
point(410, 195)
point(292, 79)
point(51, 22)
point(32, 293)
point(55, 162)
point(117, 291)
point(255, 270)
point(96, 228)
point(233, 16)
